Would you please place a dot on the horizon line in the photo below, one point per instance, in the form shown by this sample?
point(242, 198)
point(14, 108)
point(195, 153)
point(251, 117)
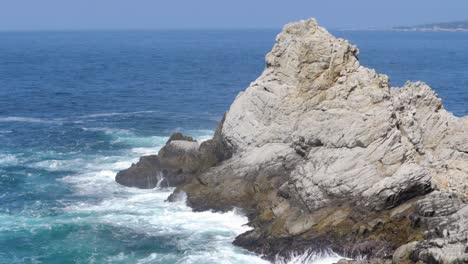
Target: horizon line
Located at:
point(164, 29)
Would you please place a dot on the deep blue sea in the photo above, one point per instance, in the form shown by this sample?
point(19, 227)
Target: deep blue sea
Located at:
point(76, 107)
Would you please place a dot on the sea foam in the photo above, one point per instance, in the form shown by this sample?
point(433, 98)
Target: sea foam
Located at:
point(29, 120)
point(8, 159)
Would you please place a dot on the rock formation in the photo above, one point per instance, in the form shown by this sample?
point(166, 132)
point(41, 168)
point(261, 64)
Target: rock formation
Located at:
point(176, 163)
point(322, 153)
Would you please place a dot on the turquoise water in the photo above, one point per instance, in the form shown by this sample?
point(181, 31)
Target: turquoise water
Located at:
point(76, 107)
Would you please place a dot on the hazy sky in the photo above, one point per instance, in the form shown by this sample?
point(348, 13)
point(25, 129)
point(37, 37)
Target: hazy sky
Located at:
point(164, 14)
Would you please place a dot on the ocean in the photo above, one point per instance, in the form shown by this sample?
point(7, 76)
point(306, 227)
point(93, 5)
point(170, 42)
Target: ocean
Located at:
point(76, 107)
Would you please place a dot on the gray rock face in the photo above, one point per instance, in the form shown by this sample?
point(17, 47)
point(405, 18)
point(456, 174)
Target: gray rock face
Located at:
point(356, 137)
point(445, 218)
point(322, 153)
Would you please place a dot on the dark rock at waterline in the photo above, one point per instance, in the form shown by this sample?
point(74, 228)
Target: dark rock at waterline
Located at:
point(177, 162)
point(145, 174)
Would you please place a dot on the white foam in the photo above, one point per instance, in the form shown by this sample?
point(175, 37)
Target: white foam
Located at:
point(56, 165)
point(150, 259)
point(109, 131)
point(326, 257)
point(86, 164)
point(115, 114)
point(8, 159)
point(29, 119)
point(160, 179)
point(145, 211)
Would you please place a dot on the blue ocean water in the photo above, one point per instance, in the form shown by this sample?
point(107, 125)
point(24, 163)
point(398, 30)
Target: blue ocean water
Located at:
point(76, 107)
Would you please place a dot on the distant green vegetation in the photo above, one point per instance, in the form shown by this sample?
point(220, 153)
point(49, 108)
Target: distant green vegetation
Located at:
point(447, 26)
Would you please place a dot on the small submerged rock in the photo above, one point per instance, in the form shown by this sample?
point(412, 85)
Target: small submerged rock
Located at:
point(322, 154)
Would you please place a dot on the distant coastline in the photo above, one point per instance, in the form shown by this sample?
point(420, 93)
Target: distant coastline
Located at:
point(458, 26)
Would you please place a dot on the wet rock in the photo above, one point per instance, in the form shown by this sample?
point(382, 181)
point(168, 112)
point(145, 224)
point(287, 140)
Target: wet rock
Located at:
point(145, 174)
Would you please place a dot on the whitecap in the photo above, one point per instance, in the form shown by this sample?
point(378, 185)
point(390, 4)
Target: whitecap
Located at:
point(115, 114)
point(150, 259)
point(29, 119)
point(140, 141)
point(8, 159)
point(86, 164)
point(107, 130)
point(141, 144)
point(59, 165)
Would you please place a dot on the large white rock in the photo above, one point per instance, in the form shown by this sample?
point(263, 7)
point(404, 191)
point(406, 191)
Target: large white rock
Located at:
point(356, 137)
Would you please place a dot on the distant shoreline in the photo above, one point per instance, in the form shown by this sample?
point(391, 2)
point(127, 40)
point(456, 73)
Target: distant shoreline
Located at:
point(429, 29)
point(402, 29)
point(457, 26)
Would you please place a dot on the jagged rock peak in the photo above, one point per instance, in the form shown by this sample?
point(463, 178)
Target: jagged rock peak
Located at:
point(305, 51)
point(307, 70)
point(313, 92)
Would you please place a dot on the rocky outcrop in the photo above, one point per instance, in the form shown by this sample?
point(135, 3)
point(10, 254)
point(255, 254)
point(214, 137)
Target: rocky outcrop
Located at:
point(177, 162)
point(322, 153)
